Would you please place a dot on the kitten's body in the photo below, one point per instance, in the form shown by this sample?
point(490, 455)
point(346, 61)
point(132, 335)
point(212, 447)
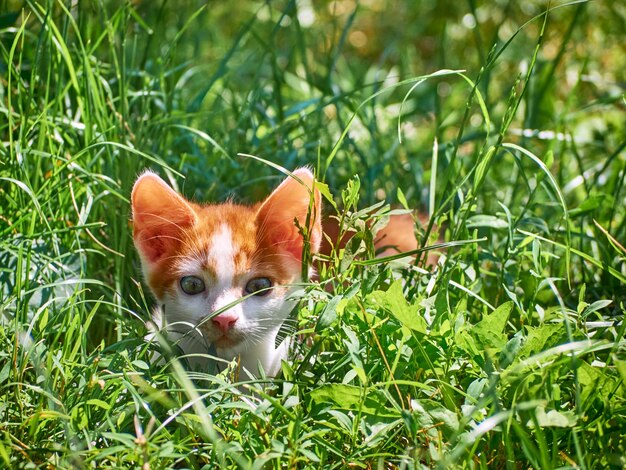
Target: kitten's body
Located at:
point(242, 261)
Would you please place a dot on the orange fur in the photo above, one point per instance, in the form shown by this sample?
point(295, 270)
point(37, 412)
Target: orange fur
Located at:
point(398, 236)
point(167, 228)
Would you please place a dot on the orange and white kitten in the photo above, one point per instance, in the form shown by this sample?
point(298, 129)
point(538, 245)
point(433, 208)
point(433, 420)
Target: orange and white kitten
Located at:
point(243, 260)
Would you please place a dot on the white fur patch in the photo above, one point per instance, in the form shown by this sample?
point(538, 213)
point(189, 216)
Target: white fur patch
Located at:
point(222, 254)
point(189, 266)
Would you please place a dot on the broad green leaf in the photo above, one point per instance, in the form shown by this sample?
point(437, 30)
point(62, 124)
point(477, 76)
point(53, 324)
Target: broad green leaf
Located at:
point(79, 417)
point(311, 457)
point(597, 305)
point(125, 438)
point(329, 314)
point(402, 198)
point(510, 351)
point(596, 383)
point(392, 301)
point(433, 417)
point(553, 418)
point(484, 220)
point(139, 364)
point(99, 403)
point(475, 389)
point(540, 338)
point(467, 342)
point(489, 331)
point(350, 397)
point(325, 191)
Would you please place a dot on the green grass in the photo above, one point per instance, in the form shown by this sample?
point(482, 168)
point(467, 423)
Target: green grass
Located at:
point(509, 353)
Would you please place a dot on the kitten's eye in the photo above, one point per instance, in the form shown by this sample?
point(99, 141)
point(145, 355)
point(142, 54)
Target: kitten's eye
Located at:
point(192, 285)
point(258, 286)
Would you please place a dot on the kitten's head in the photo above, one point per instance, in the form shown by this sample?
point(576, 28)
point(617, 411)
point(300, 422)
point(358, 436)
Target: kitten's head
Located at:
point(198, 259)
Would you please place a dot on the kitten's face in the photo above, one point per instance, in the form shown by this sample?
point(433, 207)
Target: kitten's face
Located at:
point(235, 259)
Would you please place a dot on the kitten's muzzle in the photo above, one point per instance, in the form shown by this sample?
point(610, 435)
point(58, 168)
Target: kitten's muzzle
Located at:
point(224, 322)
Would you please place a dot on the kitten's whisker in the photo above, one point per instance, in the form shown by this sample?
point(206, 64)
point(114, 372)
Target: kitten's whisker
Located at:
point(160, 218)
point(186, 336)
point(169, 237)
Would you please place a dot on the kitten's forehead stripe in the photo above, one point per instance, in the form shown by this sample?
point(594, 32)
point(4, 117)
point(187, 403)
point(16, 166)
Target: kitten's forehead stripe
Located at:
point(221, 254)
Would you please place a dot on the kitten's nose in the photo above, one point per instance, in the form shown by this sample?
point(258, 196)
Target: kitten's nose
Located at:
point(225, 321)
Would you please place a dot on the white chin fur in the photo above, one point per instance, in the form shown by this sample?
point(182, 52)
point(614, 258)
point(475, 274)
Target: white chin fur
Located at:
point(251, 355)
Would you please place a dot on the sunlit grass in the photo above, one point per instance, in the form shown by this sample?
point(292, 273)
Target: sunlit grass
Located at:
point(503, 124)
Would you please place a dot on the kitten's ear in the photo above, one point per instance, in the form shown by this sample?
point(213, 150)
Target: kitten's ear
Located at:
point(292, 200)
point(160, 217)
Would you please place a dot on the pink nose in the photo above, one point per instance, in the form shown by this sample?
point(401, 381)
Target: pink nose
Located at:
point(225, 321)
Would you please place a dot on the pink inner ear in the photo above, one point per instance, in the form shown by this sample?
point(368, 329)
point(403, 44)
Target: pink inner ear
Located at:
point(155, 243)
point(160, 218)
point(291, 200)
point(151, 246)
point(288, 238)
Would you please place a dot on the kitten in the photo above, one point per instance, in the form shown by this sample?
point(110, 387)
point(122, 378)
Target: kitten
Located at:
point(242, 260)
point(198, 259)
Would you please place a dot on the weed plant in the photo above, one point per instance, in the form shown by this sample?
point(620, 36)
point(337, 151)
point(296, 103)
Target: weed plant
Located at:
point(502, 122)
